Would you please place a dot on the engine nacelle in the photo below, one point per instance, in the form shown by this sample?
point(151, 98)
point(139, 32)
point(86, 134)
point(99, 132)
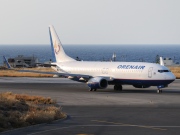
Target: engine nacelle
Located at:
point(97, 83)
point(141, 86)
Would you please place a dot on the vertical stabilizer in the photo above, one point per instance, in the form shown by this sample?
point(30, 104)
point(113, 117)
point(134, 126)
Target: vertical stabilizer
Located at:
point(57, 48)
point(161, 61)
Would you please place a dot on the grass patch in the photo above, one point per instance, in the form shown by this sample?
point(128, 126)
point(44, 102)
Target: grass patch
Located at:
point(20, 110)
point(175, 71)
point(16, 73)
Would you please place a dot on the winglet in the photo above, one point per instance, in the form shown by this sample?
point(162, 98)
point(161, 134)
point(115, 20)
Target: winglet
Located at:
point(7, 63)
point(161, 61)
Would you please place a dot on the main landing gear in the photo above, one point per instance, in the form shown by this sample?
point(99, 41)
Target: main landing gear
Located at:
point(91, 89)
point(118, 87)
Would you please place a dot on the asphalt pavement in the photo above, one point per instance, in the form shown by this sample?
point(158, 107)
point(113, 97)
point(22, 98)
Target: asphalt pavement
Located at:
point(104, 112)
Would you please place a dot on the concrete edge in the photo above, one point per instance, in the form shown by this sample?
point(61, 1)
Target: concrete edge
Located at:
point(32, 126)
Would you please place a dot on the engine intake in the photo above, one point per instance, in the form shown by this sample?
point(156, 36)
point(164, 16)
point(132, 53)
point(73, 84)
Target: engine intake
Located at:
point(97, 83)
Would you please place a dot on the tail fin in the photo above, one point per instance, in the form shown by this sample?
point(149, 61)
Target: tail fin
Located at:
point(7, 63)
point(161, 61)
point(57, 48)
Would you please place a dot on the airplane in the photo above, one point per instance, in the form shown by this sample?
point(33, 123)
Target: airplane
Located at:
point(98, 75)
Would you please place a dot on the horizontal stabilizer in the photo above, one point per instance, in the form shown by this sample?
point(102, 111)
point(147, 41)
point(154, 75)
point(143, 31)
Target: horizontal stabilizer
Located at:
point(46, 64)
point(7, 63)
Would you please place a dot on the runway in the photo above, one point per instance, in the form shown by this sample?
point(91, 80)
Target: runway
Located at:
point(104, 112)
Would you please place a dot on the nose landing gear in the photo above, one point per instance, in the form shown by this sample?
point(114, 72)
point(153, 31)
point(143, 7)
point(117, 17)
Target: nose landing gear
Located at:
point(159, 91)
point(160, 88)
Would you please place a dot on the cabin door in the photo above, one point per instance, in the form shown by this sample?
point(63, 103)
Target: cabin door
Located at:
point(150, 72)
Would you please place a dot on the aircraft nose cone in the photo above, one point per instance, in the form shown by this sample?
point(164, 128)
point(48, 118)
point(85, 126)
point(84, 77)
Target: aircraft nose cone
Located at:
point(174, 77)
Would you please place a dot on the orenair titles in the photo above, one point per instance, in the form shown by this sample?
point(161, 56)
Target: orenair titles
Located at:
point(130, 67)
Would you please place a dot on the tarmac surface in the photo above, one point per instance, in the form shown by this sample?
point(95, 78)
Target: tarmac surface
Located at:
point(104, 112)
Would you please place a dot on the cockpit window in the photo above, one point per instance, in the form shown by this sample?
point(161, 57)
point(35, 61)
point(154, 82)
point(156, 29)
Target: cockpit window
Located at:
point(162, 71)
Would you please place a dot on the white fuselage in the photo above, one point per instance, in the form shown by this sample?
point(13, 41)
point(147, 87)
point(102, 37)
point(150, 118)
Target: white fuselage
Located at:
point(117, 70)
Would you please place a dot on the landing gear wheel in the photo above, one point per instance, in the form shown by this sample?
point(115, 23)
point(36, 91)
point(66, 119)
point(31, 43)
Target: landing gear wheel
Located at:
point(90, 89)
point(120, 88)
point(117, 87)
point(159, 91)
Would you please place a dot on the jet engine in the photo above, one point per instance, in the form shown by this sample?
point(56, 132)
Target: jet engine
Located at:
point(97, 83)
point(141, 86)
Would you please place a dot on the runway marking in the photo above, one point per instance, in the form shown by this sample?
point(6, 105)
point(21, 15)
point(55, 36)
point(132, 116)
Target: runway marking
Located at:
point(84, 134)
point(75, 126)
point(123, 124)
point(118, 125)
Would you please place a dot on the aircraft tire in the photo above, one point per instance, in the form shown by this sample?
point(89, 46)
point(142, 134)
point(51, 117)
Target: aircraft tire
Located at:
point(118, 87)
point(90, 89)
point(159, 91)
point(115, 87)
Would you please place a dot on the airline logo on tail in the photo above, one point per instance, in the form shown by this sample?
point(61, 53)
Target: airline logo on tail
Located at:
point(56, 47)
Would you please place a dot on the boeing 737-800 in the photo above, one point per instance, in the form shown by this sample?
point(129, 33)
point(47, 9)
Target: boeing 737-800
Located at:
point(98, 75)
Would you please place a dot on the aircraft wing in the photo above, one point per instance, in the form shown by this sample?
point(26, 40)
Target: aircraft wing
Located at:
point(55, 73)
point(69, 75)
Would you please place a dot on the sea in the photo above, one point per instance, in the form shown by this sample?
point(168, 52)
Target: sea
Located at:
point(135, 53)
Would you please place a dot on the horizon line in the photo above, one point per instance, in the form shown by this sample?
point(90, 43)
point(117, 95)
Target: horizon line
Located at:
point(91, 44)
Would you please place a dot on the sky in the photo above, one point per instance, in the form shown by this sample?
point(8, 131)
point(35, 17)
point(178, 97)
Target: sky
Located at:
point(90, 21)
